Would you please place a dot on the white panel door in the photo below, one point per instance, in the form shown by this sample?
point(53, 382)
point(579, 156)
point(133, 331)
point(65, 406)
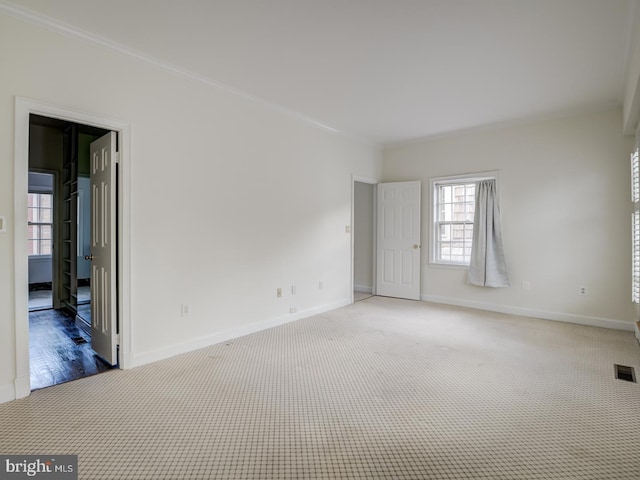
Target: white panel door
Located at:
point(398, 252)
point(104, 313)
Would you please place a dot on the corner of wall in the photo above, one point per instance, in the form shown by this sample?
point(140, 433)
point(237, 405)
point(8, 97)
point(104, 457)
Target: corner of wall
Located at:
point(7, 393)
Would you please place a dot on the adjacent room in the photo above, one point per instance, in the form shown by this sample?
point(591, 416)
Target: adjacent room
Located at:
point(364, 239)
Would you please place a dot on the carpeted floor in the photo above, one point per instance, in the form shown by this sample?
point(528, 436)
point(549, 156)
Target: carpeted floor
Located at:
point(384, 388)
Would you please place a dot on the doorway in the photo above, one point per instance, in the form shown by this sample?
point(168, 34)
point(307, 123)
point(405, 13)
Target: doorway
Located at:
point(386, 226)
point(364, 228)
point(59, 252)
point(61, 299)
point(40, 219)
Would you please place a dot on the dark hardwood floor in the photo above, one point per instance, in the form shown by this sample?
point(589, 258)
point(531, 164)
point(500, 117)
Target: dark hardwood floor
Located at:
point(59, 350)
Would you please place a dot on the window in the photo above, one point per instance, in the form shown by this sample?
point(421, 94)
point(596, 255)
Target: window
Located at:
point(453, 210)
point(635, 227)
point(454, 224)
point(40, 216)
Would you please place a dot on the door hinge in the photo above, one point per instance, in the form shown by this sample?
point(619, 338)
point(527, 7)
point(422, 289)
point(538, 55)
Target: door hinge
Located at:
point(118, 339)
point(117, 157)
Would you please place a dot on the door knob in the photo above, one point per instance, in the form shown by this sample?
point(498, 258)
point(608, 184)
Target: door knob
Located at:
point(88, 257)
point(416, 246)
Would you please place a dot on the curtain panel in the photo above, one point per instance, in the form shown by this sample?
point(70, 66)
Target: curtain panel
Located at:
point(488, 266)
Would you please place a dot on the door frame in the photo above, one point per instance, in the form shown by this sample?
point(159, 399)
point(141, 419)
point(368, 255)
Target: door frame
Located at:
point(55, 254)
point(23, 108)
point(374, 183)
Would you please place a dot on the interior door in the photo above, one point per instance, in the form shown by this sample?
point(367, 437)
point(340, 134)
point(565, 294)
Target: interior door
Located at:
point(104, 312)
point(398, 250)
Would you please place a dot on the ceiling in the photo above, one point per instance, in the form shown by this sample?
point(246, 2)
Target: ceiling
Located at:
point(382, 70)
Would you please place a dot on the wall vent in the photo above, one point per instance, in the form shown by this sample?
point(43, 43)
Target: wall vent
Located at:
point(625, 373)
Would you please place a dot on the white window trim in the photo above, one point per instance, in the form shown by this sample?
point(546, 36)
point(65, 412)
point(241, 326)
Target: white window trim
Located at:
point(433, 183)
point(635, 231)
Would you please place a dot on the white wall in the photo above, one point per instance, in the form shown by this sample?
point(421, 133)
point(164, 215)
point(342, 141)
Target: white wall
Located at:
point(363, 237)
point(230, 199)
point(565, 213)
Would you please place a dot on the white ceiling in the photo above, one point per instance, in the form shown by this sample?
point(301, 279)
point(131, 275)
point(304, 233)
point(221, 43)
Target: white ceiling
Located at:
point(383, 70)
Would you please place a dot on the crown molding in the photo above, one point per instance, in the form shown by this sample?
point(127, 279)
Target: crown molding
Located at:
point(630, 34)
point(506, 124)
point(68, 30)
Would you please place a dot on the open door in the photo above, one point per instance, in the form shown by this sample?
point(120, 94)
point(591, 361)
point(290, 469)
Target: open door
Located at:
point(398, 248)
point(104, 321)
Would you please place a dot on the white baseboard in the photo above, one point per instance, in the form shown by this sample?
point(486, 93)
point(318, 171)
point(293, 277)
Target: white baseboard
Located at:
point(362, 289)
point(22, 386)
point(638, 331)
point(173, 350)
point(527, 312)
point(7, 393)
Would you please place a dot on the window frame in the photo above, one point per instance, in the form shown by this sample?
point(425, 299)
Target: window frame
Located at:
point(635, 226)
point(41, 224)
point(434, 183)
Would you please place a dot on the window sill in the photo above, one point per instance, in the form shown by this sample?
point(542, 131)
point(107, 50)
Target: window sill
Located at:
point(447, 266)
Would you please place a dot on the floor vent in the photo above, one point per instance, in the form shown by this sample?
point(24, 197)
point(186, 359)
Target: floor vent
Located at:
point(625, 373)
point(79, 340)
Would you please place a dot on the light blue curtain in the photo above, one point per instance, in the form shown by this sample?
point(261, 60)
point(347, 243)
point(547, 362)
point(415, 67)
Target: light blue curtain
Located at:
point(488, 267)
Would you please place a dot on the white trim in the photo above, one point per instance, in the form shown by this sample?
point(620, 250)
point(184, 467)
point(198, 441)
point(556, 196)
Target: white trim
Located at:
point(23, 108)
point(630, 29)
point(68, 30)
point(7, 393)
point(528, 312)
point(599, 107)
point(369, 181)
point(191, 345)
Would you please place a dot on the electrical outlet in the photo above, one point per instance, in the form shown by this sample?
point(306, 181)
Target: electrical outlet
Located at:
point(582, 291)
point(347, 229)
point(293, 310)
point(293, 289)
point(278, 292)
point(526, 285)
point(185, 310)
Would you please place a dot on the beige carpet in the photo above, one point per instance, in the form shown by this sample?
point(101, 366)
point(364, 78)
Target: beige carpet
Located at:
point(384, 388)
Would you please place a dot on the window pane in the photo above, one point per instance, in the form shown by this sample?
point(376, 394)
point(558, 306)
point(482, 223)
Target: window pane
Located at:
point(445, 232)
point(445, 212)
point(46, 232)
point(32, 247)
point(46, 200)
point(444, 252)
point(45, 247)
point(40, 213)
point(471, 192)
point(471, 209)
point(468, 232)
point(32, 215)
point(455, 210)
point(45, 215)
